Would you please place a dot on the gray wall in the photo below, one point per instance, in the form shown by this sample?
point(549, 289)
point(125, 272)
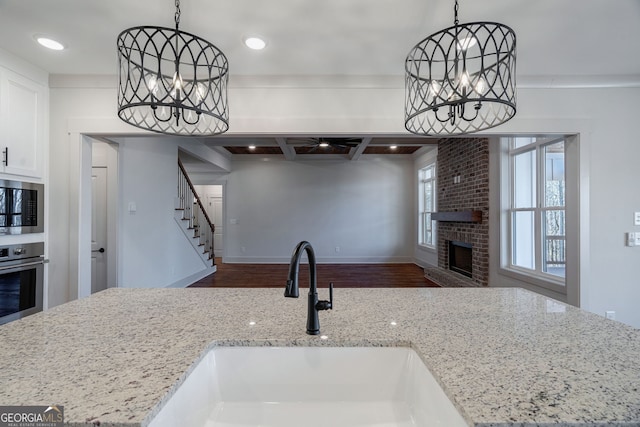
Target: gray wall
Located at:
point(363, 207)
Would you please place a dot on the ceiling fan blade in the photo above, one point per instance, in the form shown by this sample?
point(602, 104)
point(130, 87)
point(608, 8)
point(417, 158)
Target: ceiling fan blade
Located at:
point(344, 142)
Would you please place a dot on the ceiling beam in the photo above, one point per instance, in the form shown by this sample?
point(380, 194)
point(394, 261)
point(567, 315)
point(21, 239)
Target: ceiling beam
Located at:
point(288, 151)
point(356, 152)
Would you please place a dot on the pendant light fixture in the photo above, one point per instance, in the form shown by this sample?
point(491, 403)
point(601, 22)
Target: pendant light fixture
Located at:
point(461, 80)
point(172, 82)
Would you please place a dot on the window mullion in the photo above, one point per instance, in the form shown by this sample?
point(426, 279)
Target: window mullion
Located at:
point(539, 238)
point(512, 202)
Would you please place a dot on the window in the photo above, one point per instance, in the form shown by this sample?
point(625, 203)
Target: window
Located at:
point(536, 214)
point(427, 205)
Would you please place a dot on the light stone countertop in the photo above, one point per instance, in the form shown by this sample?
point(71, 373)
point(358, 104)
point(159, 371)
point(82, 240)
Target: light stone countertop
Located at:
point(506, 357)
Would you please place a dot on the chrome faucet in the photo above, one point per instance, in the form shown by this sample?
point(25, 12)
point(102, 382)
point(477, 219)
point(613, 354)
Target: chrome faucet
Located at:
point(293, 291)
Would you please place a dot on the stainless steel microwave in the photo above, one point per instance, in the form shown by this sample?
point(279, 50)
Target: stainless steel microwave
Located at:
point(21, 207)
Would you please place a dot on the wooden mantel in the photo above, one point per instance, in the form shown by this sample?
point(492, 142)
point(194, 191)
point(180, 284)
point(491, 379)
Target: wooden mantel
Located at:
point(458, 216)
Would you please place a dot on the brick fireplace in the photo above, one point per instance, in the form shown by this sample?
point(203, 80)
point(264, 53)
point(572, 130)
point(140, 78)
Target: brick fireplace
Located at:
point(463, 188)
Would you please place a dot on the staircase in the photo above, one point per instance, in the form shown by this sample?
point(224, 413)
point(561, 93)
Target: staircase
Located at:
point(193, 217)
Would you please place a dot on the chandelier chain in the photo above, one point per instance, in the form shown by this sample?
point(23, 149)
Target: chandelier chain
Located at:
point(177, 17)
point(455, 10)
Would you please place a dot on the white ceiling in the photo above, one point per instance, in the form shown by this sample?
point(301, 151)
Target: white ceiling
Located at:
point(343, 37)
point(557, 40)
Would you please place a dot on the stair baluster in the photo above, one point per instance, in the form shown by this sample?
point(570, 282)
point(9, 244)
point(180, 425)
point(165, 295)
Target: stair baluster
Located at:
point(194, 211)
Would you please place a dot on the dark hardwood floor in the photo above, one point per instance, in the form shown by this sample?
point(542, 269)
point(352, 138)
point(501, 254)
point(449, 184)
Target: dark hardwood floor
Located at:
point(342, 275)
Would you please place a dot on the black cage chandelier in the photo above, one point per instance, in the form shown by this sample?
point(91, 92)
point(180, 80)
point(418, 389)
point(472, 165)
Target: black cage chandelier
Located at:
point(461, 79)
point(172, 82)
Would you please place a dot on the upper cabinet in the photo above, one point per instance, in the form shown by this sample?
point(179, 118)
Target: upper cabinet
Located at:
point(23, 109)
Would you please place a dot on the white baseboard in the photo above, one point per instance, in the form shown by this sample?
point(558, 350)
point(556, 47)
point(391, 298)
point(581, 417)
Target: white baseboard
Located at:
point(321, 260)
point(422, 263)
point(183, 283)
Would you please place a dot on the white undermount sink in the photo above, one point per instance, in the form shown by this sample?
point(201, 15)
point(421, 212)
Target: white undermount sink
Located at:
point(309, 387)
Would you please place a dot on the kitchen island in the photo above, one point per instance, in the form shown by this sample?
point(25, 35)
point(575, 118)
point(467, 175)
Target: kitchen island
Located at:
point(505, 357)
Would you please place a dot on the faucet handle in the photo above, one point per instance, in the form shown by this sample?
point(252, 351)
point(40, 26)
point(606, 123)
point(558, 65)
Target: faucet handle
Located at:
point(326, 305)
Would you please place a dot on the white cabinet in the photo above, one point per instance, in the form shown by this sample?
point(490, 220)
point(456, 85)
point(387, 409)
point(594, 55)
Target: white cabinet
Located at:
point(23, 112)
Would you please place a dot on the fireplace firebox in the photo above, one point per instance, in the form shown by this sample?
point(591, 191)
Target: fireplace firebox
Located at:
point(461, 258)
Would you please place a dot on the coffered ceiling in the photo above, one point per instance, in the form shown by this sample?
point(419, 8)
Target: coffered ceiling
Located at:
point(301, 147)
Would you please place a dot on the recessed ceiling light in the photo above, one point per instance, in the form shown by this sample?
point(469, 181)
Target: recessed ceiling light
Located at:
point(324, 144)
point(467, 43)
point(255, 43)
point(393, 147)
point(49, 43)
point(252, 147)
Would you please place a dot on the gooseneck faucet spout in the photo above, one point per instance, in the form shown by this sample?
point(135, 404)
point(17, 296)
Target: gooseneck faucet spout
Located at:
point(293, 291)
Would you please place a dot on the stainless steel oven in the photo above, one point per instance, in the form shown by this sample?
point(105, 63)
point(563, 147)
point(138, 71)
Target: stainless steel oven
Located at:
point(21, 280)
point(21, 207)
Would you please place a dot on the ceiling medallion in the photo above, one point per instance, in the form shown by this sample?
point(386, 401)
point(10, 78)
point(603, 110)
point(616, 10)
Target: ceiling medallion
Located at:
point(461, 80)
point(172, 82)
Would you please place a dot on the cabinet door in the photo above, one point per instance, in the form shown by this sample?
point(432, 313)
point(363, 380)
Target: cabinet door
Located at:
point(21, 124)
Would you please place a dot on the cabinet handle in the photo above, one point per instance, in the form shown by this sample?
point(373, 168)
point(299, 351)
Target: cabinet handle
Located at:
point(5, 161)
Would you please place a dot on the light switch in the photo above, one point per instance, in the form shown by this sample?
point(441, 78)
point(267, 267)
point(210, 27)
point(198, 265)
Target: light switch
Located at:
point(636, 218)
point(633, 239)
point(233, 221)
point(132, 207)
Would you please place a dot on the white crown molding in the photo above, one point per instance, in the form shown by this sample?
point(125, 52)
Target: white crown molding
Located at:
point(578, 82)
point(359, 81)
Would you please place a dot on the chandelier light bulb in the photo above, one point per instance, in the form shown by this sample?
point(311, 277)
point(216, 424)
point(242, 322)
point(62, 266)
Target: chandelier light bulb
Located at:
point(201, 92)
point(435, 87)
point(152, 84)
point(481, 86)
point(177, 86)
point(464, 80)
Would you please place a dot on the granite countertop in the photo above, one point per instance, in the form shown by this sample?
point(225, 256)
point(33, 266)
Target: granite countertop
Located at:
point(506, 357)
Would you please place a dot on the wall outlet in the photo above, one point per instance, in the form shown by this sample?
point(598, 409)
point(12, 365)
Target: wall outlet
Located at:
point(636, 218)
point(337, 248)
point(243, 249)
point(610, 315)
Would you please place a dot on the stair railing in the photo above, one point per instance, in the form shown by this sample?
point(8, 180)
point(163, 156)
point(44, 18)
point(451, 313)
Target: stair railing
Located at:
point(194, 211)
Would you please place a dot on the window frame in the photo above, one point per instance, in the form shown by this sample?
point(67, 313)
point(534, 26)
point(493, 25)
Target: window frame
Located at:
point(421, 204)
point(536, 275)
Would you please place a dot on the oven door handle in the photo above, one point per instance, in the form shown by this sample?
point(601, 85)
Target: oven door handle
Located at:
point(26, 264)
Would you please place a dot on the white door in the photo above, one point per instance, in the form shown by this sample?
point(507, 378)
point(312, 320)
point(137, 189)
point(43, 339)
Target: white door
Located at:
point(214, 210)
point(98, 229)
